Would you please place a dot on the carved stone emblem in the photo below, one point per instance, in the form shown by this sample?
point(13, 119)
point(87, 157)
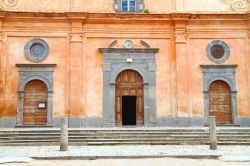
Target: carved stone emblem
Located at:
point(239, 5)
point(10, 3)
point(128, 44)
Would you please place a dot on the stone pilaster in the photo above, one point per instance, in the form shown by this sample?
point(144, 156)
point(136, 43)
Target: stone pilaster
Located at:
point(180, 21)
point(76, 83)
point(2, 73)
point(248, 59)
point(19, 117)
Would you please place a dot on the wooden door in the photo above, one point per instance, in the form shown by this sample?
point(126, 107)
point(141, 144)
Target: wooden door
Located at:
point(35, 93)
point(129, 83)
point(220, 102)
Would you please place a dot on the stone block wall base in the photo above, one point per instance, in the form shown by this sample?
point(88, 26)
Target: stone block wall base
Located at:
point(99, 122)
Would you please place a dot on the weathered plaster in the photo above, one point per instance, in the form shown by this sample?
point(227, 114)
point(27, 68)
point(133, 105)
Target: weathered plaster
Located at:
point(110, 6)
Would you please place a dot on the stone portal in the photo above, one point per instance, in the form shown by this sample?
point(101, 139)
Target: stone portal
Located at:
point(135, 69)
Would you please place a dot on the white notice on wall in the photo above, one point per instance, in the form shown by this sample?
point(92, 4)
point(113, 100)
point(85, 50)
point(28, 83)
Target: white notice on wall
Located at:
point(41, 105)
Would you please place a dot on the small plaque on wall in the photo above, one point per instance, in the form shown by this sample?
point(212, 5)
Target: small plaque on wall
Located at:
point(41, 105)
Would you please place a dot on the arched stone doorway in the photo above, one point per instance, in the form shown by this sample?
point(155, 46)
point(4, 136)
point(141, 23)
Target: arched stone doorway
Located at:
point(35, 108)
point(117, 60)
point(129, 98)
point(28, 73)
point(220, 102)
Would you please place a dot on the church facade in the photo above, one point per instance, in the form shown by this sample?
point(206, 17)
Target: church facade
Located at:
point(115, 63)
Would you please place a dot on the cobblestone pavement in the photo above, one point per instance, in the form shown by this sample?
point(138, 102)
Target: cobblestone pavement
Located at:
point(132, 162)
point(136, 150)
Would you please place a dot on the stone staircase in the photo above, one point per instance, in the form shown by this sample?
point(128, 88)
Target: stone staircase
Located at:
point(123, 136)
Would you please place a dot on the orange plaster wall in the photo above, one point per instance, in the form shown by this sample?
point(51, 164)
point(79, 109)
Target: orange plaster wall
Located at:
point(91, 74)
point(91, 6)
point(164, 77)
point(197, 55)
point(154, 6)
point(40, 5)
point(94, 94)
point(102, 6)
point(94, 84)
point(206, 5)
point(159, 6)
point(15, 55)
point(99, 6)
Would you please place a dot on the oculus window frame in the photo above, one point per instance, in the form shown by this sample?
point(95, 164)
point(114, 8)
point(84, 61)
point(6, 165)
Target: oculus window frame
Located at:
point(36, 50)
point(215, 49)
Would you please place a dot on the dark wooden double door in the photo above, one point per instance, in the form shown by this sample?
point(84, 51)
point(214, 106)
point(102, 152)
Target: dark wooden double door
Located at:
point(129, 99)
point(35, 93)
point(220, 102)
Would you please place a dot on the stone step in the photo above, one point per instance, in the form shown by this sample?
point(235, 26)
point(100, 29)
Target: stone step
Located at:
point(202, 141)
point(94, 132)
point(109, 134)
point(97, 136)
point(118, 136)
point(125, 143)
point(112, 142)
point(125, 134)
point(104, 131)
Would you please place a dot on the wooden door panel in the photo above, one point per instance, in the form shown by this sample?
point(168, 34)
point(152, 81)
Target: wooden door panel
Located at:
point(35, 92)
point(129, 83)
point(220, 102)
point(140, 111)
point(118, 111)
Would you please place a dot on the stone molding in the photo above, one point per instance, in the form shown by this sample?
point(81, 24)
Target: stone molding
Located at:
point(225, 73)
point(136, 44)
point(27, 73)
point(180, 23)
point(226, 49)
point(43, 54)
point(114, 62)
point(76, 37)
point(125, 50)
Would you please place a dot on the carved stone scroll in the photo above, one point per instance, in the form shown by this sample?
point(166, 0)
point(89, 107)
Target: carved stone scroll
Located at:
point(239, 5)
point(10, 3)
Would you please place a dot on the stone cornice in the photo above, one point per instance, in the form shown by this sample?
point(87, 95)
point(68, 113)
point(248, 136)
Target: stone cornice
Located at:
point(76, 17)
point(35, 65)
point(120, 17)
point(218, 66)
point(126, 50)
point(2, 14)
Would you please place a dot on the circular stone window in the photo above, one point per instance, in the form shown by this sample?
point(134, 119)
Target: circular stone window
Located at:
point(218, 51)
point(36, 50)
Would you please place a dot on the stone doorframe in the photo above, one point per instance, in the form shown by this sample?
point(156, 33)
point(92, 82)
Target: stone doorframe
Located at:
point(141, 60)
point(27, 73)
point(225, 73)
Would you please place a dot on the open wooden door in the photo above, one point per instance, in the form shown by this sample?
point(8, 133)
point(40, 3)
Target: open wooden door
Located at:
point(129, 83)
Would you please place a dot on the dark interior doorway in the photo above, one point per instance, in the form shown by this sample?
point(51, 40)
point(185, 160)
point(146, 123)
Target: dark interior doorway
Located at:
point(128, 110)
